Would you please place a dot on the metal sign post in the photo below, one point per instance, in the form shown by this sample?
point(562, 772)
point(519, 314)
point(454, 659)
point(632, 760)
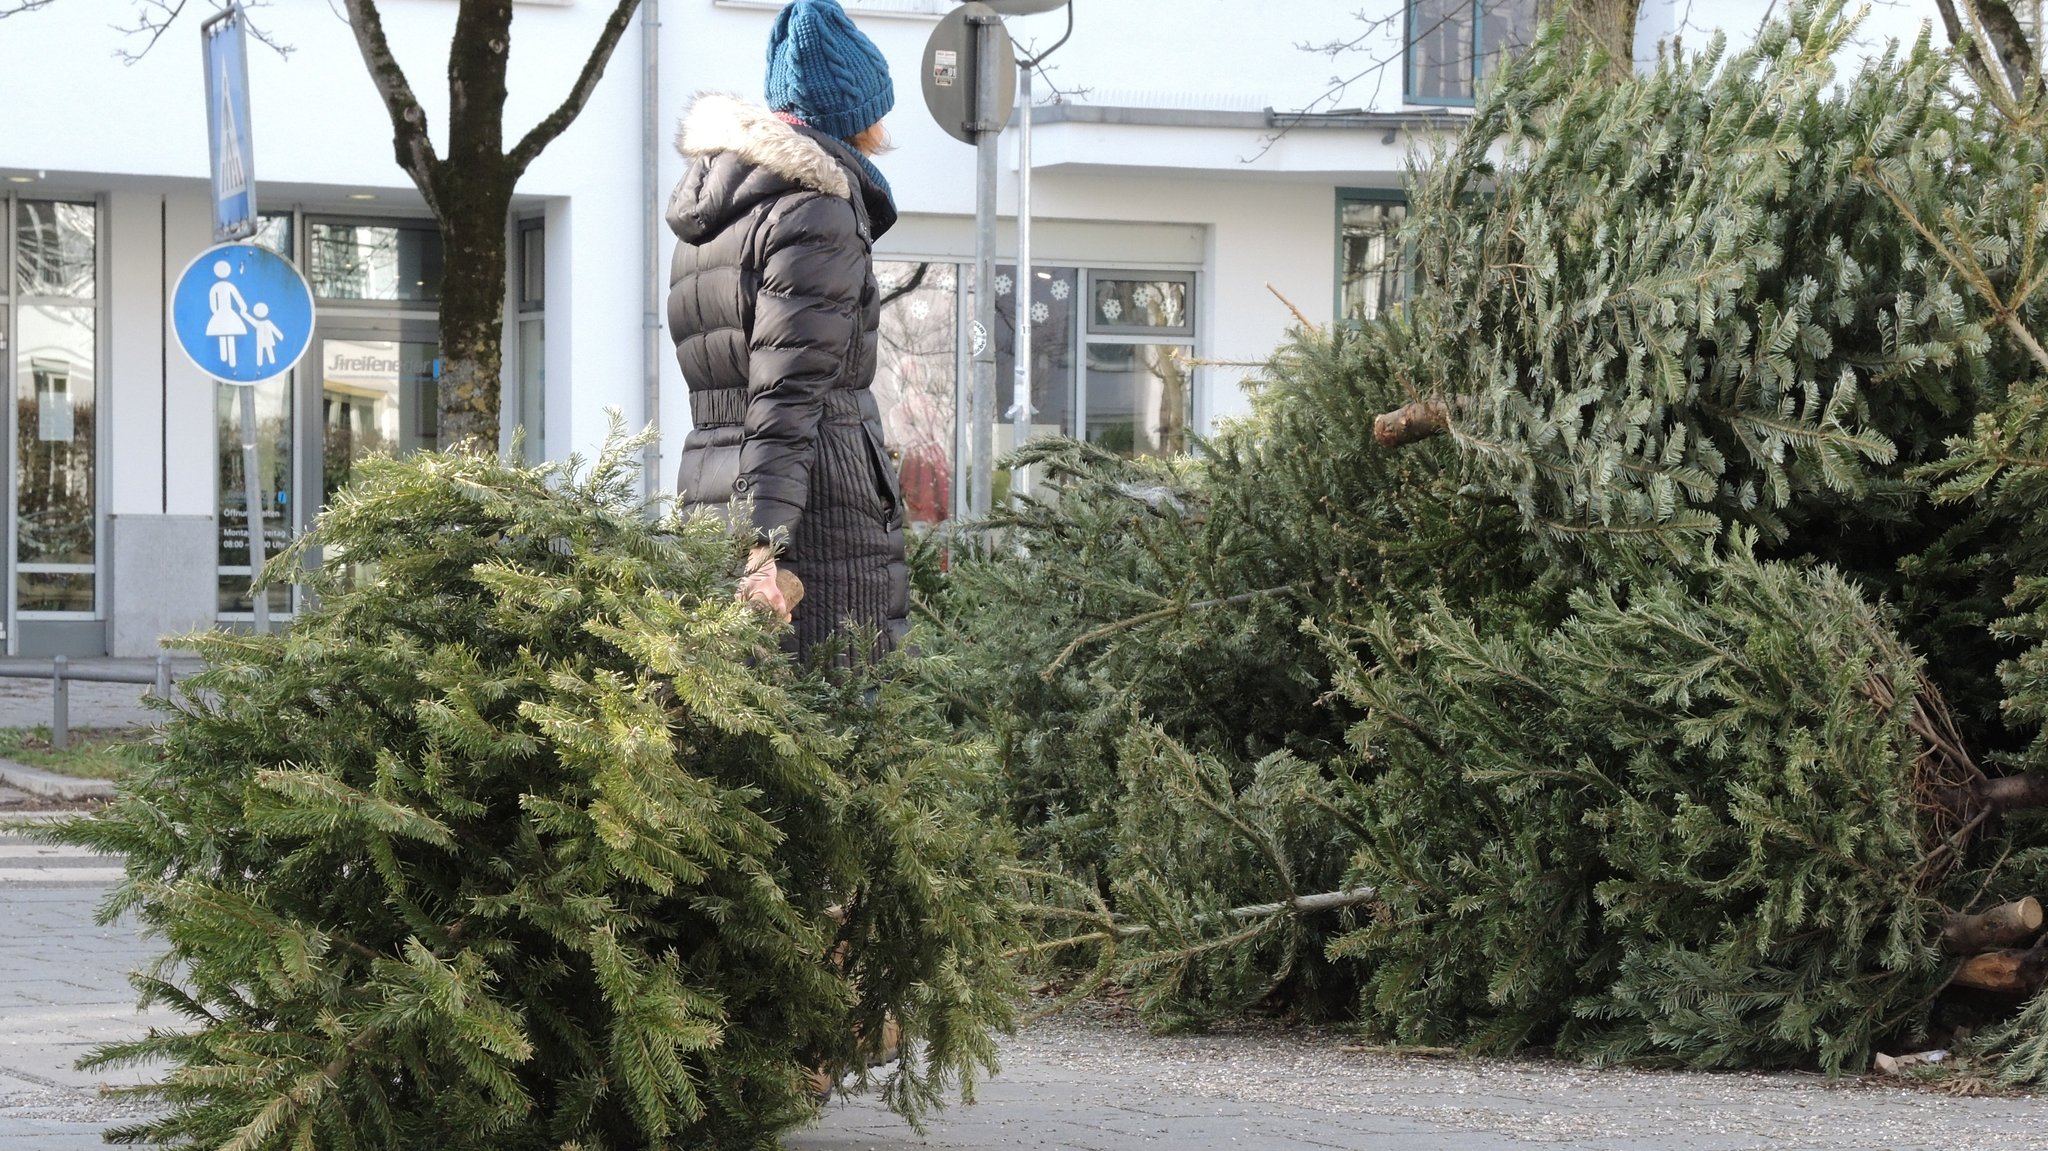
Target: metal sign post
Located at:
point(243, 315)
point(970, 80)
point(224, 41)
point(1020, 388)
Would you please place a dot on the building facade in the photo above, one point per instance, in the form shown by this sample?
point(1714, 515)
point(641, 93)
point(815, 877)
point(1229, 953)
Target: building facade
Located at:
point(1202, 170)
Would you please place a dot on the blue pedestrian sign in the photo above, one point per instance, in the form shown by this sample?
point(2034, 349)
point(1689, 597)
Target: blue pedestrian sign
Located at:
point(229, 157)
point(243, 314)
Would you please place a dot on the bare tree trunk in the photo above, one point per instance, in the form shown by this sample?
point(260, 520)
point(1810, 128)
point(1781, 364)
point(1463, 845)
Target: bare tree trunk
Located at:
point(469, 191)
point(1606, 26)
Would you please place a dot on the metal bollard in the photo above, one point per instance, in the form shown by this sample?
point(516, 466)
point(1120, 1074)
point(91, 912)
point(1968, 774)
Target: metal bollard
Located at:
point(163, 675)
point(60, 705)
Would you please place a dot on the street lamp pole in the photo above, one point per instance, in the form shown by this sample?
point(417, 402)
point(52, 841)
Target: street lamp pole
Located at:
point(1027, 278)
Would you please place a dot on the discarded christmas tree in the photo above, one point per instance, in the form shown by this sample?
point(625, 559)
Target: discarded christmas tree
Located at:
point(523, 838)
point(1676, 698)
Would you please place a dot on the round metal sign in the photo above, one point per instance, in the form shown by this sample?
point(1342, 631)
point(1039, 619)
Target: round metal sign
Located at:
point(242, 314)
point(950, 72)
point(1025, 7)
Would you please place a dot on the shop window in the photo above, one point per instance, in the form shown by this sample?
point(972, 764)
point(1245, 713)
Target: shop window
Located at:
point(1455, 44)
point(1054, 294)
point(1146, 304)
point(1371, 268)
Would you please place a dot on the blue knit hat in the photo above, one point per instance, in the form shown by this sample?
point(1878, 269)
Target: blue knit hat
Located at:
point(825, 71)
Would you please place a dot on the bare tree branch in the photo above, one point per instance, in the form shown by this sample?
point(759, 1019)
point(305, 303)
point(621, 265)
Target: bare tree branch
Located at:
point(1995, 20)
point(17, 7)
point(409, 139)
point(153, 17)
point(545, 132)
point(1973, 59)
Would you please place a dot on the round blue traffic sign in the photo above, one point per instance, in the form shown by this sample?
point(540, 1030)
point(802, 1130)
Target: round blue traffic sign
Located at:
point(243, 314)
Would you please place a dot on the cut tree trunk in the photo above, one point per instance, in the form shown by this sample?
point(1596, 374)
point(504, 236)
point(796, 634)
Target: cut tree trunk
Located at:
point(2011, 971)
point(2014, 792)
point(2003, 926)
point(1411, 422)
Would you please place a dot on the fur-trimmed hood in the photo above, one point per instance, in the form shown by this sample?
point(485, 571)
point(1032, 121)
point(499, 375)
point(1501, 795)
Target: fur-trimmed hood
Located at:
point(740, 154)
point(720, 123)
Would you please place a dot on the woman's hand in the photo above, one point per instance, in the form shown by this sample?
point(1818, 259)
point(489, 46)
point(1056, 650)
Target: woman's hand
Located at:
point(760, 585)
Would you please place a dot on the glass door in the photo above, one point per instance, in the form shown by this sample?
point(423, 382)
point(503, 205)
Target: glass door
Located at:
point(374, 389)
point(378, 395)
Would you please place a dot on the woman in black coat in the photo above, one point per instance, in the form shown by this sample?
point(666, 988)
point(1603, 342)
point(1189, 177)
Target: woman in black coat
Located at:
point(773, 308)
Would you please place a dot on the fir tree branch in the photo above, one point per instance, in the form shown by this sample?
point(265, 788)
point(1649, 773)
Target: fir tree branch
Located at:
point(1164, 613)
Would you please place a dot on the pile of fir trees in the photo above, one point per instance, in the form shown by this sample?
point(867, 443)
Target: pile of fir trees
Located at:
point(1630, 645)
point(525, 837)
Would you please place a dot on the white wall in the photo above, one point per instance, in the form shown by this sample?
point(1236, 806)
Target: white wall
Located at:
point(93, 123)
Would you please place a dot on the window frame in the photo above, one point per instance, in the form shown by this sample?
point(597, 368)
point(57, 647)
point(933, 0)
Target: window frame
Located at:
point(1409, 59)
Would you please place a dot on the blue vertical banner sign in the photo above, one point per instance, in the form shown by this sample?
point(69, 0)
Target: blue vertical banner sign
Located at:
point(231, 162)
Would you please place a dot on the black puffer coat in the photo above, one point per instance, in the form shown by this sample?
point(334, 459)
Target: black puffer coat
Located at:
point(773, 309)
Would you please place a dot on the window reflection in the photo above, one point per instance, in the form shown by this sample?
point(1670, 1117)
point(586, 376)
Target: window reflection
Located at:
point(377, 397)
point(55, 435)
point(914, 377)
point(373, 262)
point(1054, 294)
point(1139, 401)
point(273, 474)
point(533, 356)
point(54, 248)
point(1372, 266)
point(274, 232)
point(1140, 305)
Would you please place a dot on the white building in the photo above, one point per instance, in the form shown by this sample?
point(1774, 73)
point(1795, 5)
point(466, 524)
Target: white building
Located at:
point(1188, 154)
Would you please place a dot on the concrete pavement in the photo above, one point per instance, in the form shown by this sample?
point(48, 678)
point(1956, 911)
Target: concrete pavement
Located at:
point(1083, 1082)
point(1086, 1081)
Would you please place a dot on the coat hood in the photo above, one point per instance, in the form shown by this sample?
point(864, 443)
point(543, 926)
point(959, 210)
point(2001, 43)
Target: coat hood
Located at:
point(741, 153)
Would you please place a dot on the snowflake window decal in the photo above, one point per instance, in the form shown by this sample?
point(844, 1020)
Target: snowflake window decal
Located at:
point(1145, 295)
point(1039, 312)
point(1112, 310)
point(1060, 289)
point(919, 309)
point(1003, 285)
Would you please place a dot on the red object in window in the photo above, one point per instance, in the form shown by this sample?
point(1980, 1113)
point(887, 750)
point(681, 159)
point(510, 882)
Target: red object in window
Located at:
point(927, 479)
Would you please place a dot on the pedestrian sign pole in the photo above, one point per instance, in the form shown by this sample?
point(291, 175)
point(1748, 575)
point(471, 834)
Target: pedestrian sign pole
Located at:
point(243, 315)
point(237, 295)
point(225, 41)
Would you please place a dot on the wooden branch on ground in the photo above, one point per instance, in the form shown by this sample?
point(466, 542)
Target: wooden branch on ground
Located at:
point(1411, 422)
point(1299, 905)
point(2006, 925)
